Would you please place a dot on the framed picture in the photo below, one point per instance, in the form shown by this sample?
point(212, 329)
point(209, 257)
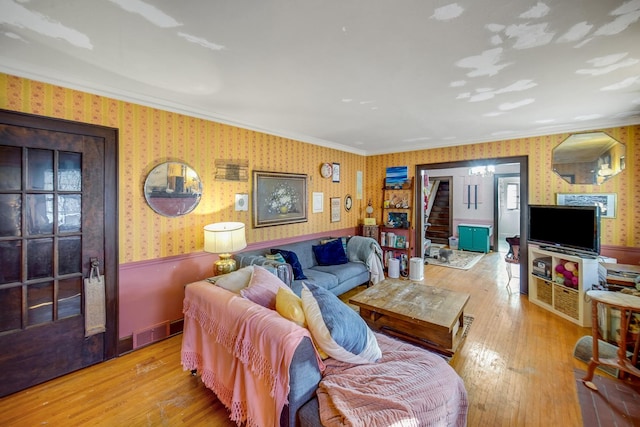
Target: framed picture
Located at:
point(318, 203)
point(279, 198)
point(335, 209)
point(397, 220)
point(606, 201)
point(336, 172)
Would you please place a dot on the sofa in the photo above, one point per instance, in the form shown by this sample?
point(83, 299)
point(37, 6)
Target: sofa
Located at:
point(363, 263)
point(268, 369)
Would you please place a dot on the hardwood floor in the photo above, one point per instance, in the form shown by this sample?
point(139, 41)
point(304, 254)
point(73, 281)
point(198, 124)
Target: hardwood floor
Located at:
point(517, 364)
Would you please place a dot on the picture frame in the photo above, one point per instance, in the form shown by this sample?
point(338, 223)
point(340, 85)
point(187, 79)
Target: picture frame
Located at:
point(398, 220)
point(335, 209)
point(279, 198)
point(336, 172)
point(606, 201)
point(318, 203)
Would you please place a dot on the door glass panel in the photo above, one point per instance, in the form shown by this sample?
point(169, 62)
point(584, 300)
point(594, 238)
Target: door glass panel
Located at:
point(69, 256)
point(40, 303)
point(40, 170)
point(10, 215)
point(10, 308)
point(69, 297)
point(40, 214)
point(39, 258)
point(10, 265)
point(10, 168)
point(69, 172)
point(69, 213)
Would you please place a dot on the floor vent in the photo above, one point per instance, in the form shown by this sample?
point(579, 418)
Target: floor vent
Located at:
point(151, 334)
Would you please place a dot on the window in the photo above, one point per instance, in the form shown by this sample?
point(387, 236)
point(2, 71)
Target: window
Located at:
point(513, 196)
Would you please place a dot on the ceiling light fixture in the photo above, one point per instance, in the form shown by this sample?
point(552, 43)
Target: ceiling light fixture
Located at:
point(486, 170)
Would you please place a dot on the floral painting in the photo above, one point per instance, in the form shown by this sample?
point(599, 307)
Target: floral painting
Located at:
point(279, 198)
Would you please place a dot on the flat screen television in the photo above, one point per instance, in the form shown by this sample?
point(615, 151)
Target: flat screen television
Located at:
point(569, 228)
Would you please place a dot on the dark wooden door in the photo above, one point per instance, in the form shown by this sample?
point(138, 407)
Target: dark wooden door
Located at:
point(57, 212)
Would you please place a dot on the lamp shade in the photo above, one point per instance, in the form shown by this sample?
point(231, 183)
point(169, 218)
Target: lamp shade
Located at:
point(224, 237)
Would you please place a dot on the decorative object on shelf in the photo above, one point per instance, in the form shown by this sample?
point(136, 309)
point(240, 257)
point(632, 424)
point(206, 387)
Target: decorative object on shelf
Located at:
point(242, 202)
point(336, 172)
point(606, 201)
point(335, 209)
point(348, 203)
point(397, 177)
point(326, 170)
point(588, 158)
point(397, 220)
point(369, 210)
point(223, 238)
point(318, 203)
point(172, 189)
point(279, 198)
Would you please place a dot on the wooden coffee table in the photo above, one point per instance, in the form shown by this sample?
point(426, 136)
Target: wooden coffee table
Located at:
point(425, 315)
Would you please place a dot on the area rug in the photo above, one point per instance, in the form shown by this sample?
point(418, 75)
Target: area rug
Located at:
point(462, 260)
point(615, 403)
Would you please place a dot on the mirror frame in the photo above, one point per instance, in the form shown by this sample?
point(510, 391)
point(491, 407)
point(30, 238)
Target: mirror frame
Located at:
point(172, 189)
point(590, 158)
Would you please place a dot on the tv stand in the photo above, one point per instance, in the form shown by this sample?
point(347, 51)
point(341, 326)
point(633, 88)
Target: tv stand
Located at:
point(572, 252)
point(551, 294)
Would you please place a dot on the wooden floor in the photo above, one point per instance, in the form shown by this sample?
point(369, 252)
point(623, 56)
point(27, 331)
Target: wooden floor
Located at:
point(517, 364)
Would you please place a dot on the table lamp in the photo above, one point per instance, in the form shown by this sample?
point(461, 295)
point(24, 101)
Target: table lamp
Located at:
point(222, 238)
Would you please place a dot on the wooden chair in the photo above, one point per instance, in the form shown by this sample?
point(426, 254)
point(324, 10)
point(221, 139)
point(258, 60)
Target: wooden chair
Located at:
point(512, 257)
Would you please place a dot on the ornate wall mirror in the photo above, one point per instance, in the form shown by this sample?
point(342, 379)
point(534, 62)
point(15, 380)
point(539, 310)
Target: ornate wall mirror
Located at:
point(588, 158)
point(173, 189)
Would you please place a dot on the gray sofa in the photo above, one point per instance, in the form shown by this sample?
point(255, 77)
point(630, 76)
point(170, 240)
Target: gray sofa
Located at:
point(336, 278)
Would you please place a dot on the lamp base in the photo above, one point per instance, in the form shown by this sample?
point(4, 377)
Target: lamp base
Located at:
point(224, 265)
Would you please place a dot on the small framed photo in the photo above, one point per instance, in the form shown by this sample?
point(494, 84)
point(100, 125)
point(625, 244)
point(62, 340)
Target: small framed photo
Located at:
point(318, 203)
point(606, 201)
point(242, 202)
point(336, 172)
point(335, 209)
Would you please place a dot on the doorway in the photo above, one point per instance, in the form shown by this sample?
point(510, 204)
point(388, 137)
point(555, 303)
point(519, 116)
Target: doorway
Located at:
point(520, 166)
point(506, 210)
point(58, 210)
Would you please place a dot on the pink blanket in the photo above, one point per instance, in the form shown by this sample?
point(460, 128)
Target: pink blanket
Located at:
point(409, 387)
point(242, 351)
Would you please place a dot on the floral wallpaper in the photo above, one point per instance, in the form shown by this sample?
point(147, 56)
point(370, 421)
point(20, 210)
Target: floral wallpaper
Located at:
point(148, 136)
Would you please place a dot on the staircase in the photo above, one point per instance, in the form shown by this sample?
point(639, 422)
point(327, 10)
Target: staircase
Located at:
point(439, 231)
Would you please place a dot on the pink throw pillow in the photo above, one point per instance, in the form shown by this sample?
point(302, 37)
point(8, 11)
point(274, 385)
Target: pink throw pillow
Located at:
point(263, 288)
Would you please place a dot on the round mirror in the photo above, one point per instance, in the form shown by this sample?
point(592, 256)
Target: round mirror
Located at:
point(588, 158)
point(173, 189)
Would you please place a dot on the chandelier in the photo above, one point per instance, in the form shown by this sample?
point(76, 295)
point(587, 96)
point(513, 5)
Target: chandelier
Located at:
point(486, 170)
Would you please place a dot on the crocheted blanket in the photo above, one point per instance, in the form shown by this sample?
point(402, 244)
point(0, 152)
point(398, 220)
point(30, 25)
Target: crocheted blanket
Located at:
point(410, 386)
point(242, 351)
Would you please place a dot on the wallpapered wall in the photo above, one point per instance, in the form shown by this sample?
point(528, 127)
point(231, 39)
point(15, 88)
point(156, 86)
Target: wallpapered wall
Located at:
point(149, 136)
point(623, 230)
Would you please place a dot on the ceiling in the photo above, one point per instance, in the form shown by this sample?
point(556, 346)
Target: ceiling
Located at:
point(363, 76)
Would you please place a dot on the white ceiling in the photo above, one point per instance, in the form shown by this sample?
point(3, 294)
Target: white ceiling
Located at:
point(364, 76)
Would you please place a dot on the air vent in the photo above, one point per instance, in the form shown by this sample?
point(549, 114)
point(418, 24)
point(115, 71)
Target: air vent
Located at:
point(151, 334)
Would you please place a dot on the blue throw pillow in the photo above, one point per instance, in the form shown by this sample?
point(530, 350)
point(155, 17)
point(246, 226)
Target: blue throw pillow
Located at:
point(337, 329)
point(292, 259)
point(331, 253)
